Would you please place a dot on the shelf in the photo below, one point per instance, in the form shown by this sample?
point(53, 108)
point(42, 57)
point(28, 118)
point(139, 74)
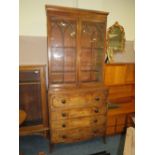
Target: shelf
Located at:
point(63, 72)
point(62, 47)
point(29, 83)
point(64, 82)
point(97, 48)
point(90, 81)
point(89, 71)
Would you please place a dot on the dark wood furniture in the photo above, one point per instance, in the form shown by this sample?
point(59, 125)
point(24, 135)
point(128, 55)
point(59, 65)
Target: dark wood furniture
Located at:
point(119, 79)
point(76, 96)
point(32, 99)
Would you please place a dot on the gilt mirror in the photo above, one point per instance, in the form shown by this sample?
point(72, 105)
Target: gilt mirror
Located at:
point(115, 39)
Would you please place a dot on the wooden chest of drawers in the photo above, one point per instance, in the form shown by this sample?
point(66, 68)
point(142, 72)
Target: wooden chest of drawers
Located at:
point(77, 114)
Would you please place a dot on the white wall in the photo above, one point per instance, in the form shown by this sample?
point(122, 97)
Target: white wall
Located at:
point(32, 15)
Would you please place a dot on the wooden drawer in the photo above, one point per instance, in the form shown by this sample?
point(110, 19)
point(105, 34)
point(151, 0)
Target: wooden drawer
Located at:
point(29, 76)
point(78, 122)
point(76, 113)
point(77, 100)
point(111, 121)
point(116, 120)
point(122, 91)
point(73, 135)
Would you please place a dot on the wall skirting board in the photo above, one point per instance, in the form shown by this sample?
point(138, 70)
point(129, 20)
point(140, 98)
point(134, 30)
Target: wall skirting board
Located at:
point(33, 50)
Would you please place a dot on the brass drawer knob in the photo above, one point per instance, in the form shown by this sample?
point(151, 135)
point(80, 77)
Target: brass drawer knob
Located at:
point(95, 121)
point(63, 101)
point(64, 136)
point(96, 110)
point(97, 98)
point(95, 131)
point(63, 125)
point(64, 114)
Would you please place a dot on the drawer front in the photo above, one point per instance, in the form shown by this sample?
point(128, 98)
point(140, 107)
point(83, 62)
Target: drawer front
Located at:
point(121, 120)
point(73, 135)
point(29, 76)
point(78, 122)
point(80, 99)
point(78, 112)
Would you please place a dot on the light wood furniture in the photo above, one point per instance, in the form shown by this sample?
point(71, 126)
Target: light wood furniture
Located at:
point(119, 74)
point(119, 79)
point(32, 99)
point(76, 96)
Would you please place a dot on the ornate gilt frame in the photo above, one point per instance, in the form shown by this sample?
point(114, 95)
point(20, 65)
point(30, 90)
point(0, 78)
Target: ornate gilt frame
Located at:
point(118, 39)
point(111, 30)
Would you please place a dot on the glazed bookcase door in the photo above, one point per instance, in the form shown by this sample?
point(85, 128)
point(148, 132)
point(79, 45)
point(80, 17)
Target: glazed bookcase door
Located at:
point(32, 99)
point(92, 52)
point(62, 54)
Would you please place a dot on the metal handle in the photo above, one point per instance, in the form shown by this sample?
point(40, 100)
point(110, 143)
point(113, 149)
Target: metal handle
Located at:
point(63, 125)
point(64, 114)
point(95, 121)
point(95, 131)
point(63, 101)
point(97, 98)
point(64, 136)
point(36, 71)
point(96, 110)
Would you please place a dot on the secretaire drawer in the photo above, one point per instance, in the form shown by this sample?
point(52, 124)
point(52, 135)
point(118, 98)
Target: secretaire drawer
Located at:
point(78, 112)
point(77, 100)
point(78, 122)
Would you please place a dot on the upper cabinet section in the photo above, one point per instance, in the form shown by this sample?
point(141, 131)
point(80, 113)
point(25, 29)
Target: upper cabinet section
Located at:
point(76, 46)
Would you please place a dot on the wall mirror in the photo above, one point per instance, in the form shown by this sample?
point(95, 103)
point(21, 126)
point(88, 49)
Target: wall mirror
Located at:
point(115, 40)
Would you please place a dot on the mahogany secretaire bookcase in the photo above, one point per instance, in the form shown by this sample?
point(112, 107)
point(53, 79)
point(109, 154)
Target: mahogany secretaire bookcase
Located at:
point(76, 51)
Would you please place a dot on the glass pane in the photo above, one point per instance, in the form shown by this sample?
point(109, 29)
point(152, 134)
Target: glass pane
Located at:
point(57, 77)
point(63, 33)
point(30, 102)
point(86, 59)
point(63, 50)
point(69, 59)
point(92, 34)
point(69, 77)
point(92, 41)
point(57, 59)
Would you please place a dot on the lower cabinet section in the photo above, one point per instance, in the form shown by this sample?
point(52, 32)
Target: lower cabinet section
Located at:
point(77, 115)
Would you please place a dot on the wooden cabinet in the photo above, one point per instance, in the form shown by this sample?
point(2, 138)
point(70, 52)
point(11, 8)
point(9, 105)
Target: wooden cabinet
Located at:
point(119, 79)
point(119, 74)
point(76, 50)
point(32, 99)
